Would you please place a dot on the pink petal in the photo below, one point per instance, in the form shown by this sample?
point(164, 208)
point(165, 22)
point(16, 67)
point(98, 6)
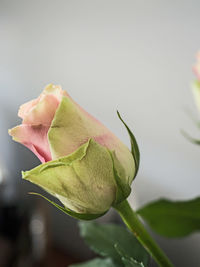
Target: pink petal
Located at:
point(35, 138)
point(196, 67)
point(30, 110)
point(37, 117)
point(196, 70)
point(25, 108)
point(43, 112)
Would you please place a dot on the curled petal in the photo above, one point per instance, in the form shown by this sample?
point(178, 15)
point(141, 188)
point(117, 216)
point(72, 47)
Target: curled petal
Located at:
point(37, 116)
point(43, 112)
point(55, 90)
point(25, 108)
point(42, 109)
point(35, 138)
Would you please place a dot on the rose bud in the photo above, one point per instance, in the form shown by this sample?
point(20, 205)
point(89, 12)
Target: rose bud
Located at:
point(196, 84)
point(84, 165)
point(196, 67)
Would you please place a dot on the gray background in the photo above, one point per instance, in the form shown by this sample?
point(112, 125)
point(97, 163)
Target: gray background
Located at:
point(134, 56)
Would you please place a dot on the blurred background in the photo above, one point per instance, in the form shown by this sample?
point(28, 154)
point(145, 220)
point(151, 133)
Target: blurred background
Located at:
point(134, 56)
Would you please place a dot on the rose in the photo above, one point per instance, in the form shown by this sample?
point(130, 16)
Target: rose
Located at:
point(196, 67)
point(196, 84)
point(84, 165)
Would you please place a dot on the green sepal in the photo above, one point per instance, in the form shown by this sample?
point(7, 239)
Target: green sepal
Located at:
point(79, 216)
point(123, 188)
point(83, 181)
point(134, 146)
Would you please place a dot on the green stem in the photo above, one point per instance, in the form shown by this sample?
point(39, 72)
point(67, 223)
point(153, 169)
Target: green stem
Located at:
point(132, 221)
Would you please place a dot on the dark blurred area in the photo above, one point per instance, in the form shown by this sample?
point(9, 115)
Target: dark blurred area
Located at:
point(25, 238)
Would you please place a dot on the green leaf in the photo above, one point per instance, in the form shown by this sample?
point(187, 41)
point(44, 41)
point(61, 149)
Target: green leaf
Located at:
point(131, 263)
point(75, 215)
point(103, 240)
point(134, 146)
point(127, 260)
point(96, 263)
point(172, 218)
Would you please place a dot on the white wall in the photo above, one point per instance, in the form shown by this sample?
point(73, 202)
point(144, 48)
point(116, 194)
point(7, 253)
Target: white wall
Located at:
point(135, 56)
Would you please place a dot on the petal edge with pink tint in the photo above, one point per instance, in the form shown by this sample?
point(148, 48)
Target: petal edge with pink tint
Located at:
point(55, 90)
point(35, 138)
point(43, 112)
point(42, 109)
point(196, 67)
point(37, 116)
point(25, 108)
